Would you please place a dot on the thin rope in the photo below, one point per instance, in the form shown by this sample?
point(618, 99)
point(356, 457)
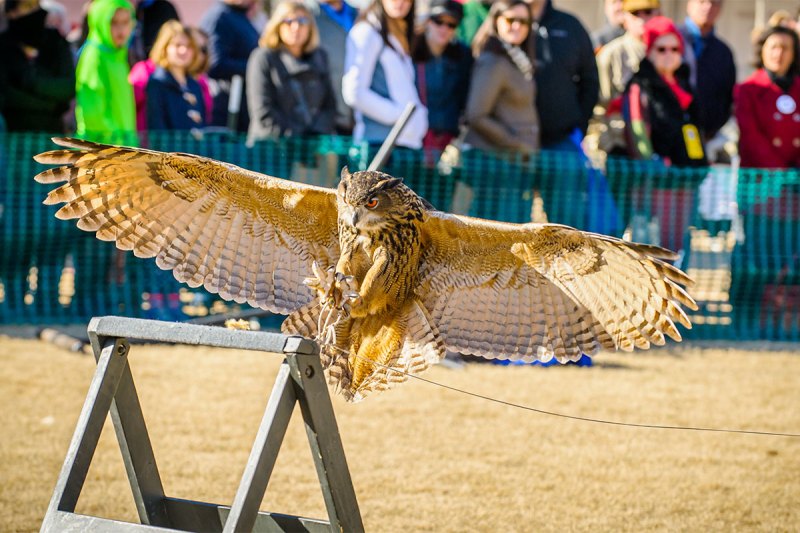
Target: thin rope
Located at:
point(562, 415)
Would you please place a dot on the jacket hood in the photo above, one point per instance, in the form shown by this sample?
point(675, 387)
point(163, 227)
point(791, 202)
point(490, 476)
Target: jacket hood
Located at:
point(99, 20)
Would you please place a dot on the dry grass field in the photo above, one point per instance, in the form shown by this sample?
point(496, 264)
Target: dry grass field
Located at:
point(424, 458)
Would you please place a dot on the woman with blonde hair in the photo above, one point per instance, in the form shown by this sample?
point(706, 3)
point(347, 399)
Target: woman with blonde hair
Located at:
point(289, 91)
point(174, 98)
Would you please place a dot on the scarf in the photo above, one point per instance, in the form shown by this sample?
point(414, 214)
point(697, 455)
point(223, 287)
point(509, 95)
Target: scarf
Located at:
point(784, 82)
point(684, 97)
point(520, 59)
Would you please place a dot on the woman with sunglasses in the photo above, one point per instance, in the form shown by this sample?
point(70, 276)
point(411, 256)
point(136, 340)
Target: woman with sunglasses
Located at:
point(379, 78)
point(501, 107)
point(658, 106)
point(289, 91)
point(443, 68)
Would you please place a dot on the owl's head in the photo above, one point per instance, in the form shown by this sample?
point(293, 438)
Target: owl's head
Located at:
point(370, 200)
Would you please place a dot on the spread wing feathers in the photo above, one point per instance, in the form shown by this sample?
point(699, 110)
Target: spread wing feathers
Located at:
point(246, 236)
point(374, 353)
point(538, 291)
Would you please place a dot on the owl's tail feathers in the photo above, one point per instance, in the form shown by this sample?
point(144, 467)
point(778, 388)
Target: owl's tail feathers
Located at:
point(303, 321)
point(390, 353)
point(370, 354)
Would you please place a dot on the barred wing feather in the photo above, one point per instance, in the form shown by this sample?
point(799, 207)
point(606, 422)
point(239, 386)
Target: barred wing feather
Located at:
point(538, 291)
point(246, 236)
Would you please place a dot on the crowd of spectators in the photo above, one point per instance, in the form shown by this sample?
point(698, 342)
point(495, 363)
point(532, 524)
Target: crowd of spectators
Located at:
point(503, 76)
point(510, 75)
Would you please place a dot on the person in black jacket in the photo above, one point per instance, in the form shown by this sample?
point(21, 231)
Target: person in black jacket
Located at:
point(289, 91)
point(567, 89)
point(37, 68)
point(567, 84)
point(712, 69)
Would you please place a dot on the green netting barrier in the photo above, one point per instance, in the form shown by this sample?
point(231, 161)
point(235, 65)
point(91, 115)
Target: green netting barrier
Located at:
point(737, 230)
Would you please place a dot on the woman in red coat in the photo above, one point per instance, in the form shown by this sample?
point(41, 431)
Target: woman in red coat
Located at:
point(764, 272)
point(768, 104)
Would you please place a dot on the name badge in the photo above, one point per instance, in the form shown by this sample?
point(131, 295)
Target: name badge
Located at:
point(786, 104)
point(691, 139)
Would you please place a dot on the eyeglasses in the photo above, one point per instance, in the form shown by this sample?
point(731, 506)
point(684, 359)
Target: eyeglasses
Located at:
point(665, 49)
point(511, 20)
point(300, 20)
point(441, 22)
point(643, 12)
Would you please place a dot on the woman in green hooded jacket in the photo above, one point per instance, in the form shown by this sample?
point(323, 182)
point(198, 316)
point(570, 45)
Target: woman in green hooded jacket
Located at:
point(105, 110)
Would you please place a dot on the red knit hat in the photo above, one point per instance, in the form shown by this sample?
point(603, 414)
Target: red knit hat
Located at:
point(658, 26)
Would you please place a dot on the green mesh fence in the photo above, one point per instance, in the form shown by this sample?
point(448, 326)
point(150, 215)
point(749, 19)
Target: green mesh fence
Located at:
point(737, 231)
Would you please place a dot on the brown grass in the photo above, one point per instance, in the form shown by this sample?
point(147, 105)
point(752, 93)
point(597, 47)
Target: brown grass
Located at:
point(427, 459)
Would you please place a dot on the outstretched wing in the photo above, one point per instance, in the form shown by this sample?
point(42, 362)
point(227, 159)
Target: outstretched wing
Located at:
point(246, 236)
point(538, 291)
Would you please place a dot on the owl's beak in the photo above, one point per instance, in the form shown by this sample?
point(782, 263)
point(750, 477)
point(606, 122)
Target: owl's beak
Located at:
point(354, 218)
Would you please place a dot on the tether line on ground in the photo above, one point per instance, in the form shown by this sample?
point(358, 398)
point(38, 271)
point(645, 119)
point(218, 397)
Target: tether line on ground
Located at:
point(571, 417)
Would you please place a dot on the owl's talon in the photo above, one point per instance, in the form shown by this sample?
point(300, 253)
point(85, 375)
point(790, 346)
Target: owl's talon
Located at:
point(317, 270)
point(334, 289)
point(323, 283)
point(352, 299)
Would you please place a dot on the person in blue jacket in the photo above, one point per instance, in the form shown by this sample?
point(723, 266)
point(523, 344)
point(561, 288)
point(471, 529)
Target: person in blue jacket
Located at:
point(174, 97)
point(443, 67)
point(232, 37)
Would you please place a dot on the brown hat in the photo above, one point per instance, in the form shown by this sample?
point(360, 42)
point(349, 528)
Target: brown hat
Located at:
point(632, 6)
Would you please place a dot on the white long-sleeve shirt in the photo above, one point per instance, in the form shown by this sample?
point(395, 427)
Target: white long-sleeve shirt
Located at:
point(364, 49)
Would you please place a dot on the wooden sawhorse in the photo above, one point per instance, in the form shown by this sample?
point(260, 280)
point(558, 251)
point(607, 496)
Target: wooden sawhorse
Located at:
point(300, 380)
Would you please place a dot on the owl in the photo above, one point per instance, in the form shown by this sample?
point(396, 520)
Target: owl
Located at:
point(386, 283)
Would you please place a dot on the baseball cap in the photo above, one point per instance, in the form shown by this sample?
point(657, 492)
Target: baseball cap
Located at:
point(451, 8)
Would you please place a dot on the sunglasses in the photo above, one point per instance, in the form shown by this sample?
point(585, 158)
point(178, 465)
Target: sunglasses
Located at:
point(643, 12)
point(512, 20)
point(441, 22)
point(300, 20)
point(665, 49)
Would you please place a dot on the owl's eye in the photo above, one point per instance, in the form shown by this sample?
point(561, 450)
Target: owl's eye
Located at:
point(372, 203)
